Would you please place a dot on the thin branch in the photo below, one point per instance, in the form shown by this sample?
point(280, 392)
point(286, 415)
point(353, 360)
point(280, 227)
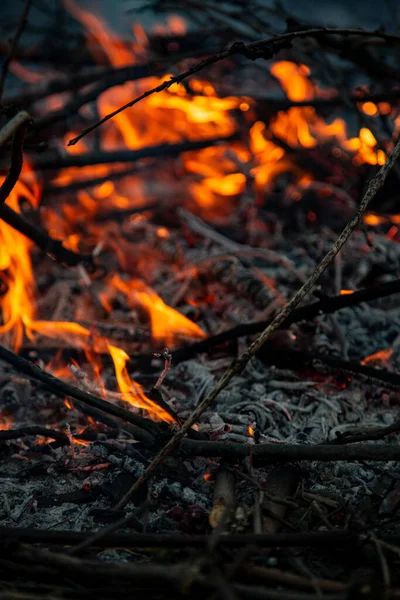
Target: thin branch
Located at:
point(11, 127)
point(126, 540)
point(17, 159)
point(53, 160)
point(287, 358)
point(62, 389)
point(14, 434)
point(261, 49)
point(13, 46)
point(264, 453)
point(240, 363)
point(171, 540)
point(326, 305)
point(41, 238)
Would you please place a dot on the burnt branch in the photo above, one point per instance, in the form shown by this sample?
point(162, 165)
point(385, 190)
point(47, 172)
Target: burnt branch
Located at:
point(54, 161)
point(288, 358)
point(142, 540)
point(146, 429)
point(13, 45)
point(326, 305)
point(11, 127)
point(265, 49)
point(14, 434)
point(42, 239)
point(17, 157)
point(264, 453)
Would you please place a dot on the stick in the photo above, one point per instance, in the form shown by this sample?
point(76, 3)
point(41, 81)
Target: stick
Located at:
point(41, 238)
point(14, 434)
point(62, 389)
point(263, 453)
point(172, 540)
point(12, 125)
point(54, 161)
point(17, 156)
point(13, 46)
point(327, 305)
point(261, 49)
point(239, 364)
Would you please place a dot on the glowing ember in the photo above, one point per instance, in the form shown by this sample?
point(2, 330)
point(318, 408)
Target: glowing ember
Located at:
point(381, 356)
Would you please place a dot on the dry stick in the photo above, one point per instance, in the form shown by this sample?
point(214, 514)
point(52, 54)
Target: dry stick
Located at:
point(14, 434)
point(42, 239)
point(17, 127)
point(326, 305)
point(13, 45)
point(62, 388)
point(12, 125)
point(239, 364)
point(261, 49)
point(17, 158)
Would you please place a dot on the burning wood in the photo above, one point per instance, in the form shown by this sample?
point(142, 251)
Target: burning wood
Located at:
point(187, 222)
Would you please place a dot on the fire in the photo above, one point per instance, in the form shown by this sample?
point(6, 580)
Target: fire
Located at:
point(131, 390)
point(216, 176)
point(381, 356)
point(346, 292)
point(15, 265)
point(167, 324)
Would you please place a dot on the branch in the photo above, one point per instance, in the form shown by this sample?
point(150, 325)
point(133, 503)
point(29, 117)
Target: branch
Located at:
point(262, 49)
point(11, 127)
point(17, 156)
point(265, 453)
point(326, 305)
point(14, 434)
point(288, 358)
point(151, 540)
point(41, 238)
point(54, 161)
point(62, 389)
point(13, 45)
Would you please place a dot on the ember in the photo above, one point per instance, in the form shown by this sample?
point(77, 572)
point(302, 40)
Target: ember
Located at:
point(143, 250)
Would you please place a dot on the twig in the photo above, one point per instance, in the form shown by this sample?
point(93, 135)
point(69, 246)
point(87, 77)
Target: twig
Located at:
point(327, 305)
point(13, 46)
point(261, 49)
point(171, 540)
point(41, 238)
point(263, 453)
point(288, 358)
point(63, 389)
point(296, 359)
point(17, 158)
point(54, 161)
point(14, 434)
point(239, 364)
point(12, 125)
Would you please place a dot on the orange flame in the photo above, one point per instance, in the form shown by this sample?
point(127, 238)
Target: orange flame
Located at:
point(167, 324)
point(382, 355)
point(131, 390)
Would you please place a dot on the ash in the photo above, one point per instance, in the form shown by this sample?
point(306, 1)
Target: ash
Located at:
point(48, 486)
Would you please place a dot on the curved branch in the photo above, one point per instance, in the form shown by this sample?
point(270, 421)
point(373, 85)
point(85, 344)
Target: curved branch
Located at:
point(261, 49)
